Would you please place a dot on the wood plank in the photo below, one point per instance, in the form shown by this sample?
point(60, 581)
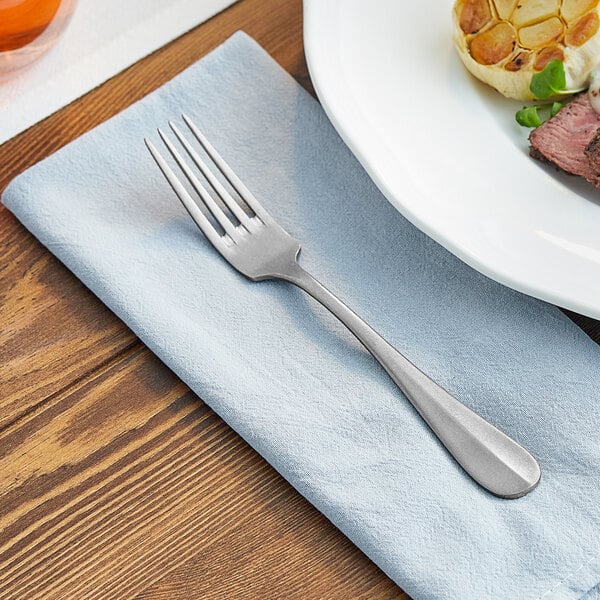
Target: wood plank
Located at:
point(280, 559)
point(53, 331)
point(130, 477)
point(589, 325)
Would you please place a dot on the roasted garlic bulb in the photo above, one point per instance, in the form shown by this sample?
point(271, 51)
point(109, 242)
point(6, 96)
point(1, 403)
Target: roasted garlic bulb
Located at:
point(505, 42)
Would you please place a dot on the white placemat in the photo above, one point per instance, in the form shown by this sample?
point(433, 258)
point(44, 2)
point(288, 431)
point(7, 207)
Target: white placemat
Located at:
point(102, 39)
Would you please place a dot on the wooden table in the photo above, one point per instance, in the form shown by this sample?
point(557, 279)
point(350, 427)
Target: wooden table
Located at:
point(116, 481)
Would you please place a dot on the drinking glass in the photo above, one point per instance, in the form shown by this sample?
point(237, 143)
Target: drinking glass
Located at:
point(28, 28)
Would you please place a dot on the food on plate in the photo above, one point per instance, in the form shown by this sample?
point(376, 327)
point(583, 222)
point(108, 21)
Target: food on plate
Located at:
point(594, 90)
point(571, 140)
point(550, 82)
point(565, 135)
point(541, 50)
point(504, 42)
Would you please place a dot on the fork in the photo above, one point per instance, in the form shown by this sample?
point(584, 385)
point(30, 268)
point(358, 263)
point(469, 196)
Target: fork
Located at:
point(256, 246)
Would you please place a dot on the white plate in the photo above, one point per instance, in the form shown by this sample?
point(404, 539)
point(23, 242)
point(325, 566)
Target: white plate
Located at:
point(446, 151)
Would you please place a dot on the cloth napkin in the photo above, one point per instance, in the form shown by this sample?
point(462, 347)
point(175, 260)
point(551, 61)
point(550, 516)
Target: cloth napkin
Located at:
point(293, 382)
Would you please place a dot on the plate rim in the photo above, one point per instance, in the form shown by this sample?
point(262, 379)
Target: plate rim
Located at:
point(493, 271)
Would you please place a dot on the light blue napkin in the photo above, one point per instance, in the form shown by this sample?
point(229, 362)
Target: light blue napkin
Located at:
point(293, 382)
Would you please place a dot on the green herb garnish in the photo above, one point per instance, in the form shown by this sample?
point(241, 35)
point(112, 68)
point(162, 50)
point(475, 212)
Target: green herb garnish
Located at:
point(556, 106)
point(528, 116)
point(534, 116)
point(551, 81)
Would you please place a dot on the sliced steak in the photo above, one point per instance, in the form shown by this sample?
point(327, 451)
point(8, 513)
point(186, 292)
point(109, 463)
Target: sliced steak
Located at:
point(566, 140)
point(592, 151)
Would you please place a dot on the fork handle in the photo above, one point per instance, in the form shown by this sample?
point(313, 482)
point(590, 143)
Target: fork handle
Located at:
point(489, 456)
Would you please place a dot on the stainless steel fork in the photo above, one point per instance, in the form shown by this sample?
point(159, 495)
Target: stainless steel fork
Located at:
point(254, 244)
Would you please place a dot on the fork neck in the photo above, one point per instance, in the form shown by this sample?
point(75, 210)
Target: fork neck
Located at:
point(365, 333)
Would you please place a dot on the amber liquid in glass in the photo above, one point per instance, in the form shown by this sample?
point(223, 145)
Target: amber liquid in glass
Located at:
point(28, 28)
point(22, 21)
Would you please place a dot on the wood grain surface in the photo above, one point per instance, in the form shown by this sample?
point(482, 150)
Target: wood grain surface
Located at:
point(116, 481)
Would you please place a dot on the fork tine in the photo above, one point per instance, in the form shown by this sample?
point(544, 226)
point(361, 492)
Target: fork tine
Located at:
point(203, 223)
point(225, 196)
point(227, 171)
point(212, 206)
